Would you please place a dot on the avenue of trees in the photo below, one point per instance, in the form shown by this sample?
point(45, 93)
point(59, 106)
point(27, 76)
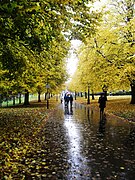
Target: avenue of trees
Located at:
point(35, 40)
point(107, 59)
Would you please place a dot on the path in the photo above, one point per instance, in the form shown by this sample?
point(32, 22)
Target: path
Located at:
point(79, 146)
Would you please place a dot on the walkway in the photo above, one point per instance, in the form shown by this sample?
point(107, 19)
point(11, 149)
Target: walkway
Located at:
point(78, 145)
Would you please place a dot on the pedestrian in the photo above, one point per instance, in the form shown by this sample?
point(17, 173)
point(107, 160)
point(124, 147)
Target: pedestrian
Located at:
point(102, 104)
point(66, 99)
point(71, 100)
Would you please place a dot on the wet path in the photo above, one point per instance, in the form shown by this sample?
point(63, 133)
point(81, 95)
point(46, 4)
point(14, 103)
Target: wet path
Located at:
point(78, 145)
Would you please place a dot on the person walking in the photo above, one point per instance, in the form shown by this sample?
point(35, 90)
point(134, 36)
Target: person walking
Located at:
point(71, 100)
point(102, 104)
point(66, 99)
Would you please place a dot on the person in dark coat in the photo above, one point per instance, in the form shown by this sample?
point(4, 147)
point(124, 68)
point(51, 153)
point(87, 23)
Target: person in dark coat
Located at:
point(66, 99)
point(71, 100)
point(102, 103)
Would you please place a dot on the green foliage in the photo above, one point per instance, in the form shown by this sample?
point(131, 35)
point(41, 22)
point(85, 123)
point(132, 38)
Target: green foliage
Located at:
point(34, 38)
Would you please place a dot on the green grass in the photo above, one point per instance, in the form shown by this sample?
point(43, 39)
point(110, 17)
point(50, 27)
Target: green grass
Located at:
point(8, 103)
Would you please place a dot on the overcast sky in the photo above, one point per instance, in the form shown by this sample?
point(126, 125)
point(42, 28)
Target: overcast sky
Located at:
point(72, 60)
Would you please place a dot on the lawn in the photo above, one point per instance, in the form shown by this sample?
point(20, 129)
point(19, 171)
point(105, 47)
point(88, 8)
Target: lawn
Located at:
point(21, 136)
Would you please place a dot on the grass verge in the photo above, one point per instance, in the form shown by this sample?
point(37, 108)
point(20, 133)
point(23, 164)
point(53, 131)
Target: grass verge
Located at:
point(117, 105)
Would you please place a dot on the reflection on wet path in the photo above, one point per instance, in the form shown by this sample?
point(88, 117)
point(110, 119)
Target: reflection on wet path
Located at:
point(99, 148)
point(80, 145)
point(76, 158)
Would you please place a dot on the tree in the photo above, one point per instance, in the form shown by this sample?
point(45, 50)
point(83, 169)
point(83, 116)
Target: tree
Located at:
point(125, 12)
point(28, 32)
point(97, 57)
point(107, 58)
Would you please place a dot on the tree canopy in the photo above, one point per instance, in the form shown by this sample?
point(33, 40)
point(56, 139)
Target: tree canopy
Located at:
point(35, 39)
point(107, 59)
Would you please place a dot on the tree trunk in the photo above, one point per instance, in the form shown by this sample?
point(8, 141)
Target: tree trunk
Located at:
point(13, 100)
point(132, 93)
point(45, 96)
point(26, 98)
point(93, 95)
point(39, 98)
point(85, 95)
point(75, 95)
point(19, 98)
point(88, 99)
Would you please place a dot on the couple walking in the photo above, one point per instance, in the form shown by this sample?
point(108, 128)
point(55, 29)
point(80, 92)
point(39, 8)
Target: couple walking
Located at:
point(68, 98)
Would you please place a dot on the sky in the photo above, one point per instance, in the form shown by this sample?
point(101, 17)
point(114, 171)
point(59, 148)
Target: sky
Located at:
point(73, 60)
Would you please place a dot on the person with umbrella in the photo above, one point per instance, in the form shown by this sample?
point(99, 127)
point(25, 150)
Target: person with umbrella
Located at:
point(68, 99)
point(102, 103)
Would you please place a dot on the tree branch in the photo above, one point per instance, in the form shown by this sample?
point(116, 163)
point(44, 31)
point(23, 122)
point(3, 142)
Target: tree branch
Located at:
point(23, 44)
point(101, 52)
